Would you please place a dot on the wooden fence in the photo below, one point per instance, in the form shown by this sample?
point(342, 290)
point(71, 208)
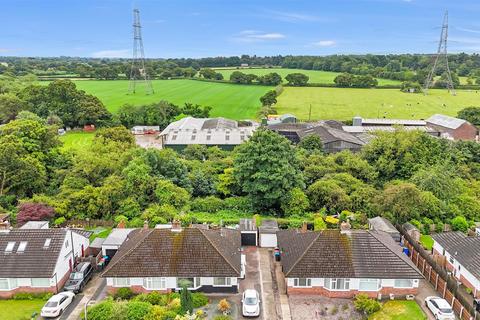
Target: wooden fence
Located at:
point(446, 286)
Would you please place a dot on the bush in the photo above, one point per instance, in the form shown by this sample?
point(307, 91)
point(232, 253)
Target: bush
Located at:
point(137, 310)
point(319, 224)
point(242, 204)
point(199, 299)
point(222, 317)
point(124, 294)
point(459, 223)
point(223, 305)
point(59, 221)
point(153, 298)
point(32, 296)
point(366, 305)
point(208, 204)
point(101, 311)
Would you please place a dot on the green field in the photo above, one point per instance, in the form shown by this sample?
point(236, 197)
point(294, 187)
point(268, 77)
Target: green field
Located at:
point(20, 309)
point(228, 100)
point(315, 76)
point(76, 140)
point(399, 310)
point(343, 104)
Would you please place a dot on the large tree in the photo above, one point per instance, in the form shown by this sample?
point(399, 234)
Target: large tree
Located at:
point(266, 168)
point(471, 114)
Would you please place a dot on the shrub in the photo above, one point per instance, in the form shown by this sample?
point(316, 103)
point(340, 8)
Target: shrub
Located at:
point(137, 310)
point(174, 305)
point(241, 204)
point(459, 223)
point(334, 310)
point(160, 313)
point(319, 224)
point(32, 296)
point(29, 211)
point(366, 305)
point(153, 298)
point(222, 317)
point(199, 299)
point(101, 311)
point(124, 294)
point(59, 221)
point(223, 305)
point(186, 300)
point(207, 204)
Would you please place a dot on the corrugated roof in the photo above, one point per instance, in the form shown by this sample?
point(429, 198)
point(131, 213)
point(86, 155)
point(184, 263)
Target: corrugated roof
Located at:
point(383, 121)
point(362, 129)
point(382, 224)
point(332, 254)
point(35, 225)
point(466, 250)
point(192, 252)
point(268, 226)
point(117, 236)
point(445, 121)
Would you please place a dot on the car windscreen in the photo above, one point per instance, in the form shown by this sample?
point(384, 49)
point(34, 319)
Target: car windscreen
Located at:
point(76, 276)
point(445, 310)
point(250, 301)
point(51, 304)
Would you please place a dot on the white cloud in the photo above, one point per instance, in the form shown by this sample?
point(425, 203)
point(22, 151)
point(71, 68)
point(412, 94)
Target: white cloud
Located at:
point(468, 30)
point(325, 43)
point(122, 53)
point(291, 16)
point(256, 36)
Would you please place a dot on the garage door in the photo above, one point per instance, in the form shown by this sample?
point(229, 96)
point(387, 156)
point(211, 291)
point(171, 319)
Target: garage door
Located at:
point(268, 240)
point(249, 239)
point(111, 252)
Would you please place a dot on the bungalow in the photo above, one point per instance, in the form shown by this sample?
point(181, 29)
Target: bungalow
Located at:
point(342, 264)
point(461, 257)
point(38, 260)
point(160, 259)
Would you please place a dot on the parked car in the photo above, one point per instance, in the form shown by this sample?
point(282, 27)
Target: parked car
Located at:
point(476, 304)
point(79, 277)
point(250, 303)
point(440, 308)
point(57, 304)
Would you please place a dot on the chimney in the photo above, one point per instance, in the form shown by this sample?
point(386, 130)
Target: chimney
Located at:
point(345, 226)
point(122, 224)
point(145, 225)
point(176, 225)
point(304, 227)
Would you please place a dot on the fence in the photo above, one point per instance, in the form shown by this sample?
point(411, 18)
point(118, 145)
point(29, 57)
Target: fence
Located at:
point(445, 285)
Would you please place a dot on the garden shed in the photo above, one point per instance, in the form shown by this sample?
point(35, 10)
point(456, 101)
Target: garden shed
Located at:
point(268, 233)
point(248, 232)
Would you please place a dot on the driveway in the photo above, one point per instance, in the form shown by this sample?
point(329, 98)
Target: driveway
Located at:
point(425, 289)
point(253, 280)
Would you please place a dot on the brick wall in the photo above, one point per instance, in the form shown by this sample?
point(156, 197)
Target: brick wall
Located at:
point(385, 292)
point(52, 289)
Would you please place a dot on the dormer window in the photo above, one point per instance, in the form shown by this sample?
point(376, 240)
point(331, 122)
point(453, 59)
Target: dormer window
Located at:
point(22, 246)
point(47, 243)
point(9, 247)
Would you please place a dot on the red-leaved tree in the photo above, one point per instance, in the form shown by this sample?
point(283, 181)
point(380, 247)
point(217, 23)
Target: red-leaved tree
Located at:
point(34, 212)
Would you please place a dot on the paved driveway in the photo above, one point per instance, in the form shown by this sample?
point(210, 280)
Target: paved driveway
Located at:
point(425, 289)
point(252, 279)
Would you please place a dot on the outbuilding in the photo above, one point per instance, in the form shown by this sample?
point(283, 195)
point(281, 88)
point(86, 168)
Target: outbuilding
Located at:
point(248, 232)
point(384, 225)
point(268, 233)
point(114, 240)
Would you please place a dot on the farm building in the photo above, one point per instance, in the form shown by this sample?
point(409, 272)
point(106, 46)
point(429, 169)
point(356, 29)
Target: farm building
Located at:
point(145, 129)
point(334, 140)
point(276, 119)
point(220, 132)
point(453, 128)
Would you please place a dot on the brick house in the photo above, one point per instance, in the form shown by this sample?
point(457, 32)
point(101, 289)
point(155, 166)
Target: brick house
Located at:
point(342, 264)
point(159, 259)
point(461, 257)
point(38, 260)
point(452, 128)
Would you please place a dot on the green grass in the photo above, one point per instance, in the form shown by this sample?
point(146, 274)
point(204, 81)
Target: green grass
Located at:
point(426, 241)
point(20, 309)
point(345, 103)
point(315, 76)
point(228, 100)
point(399, 310)
point(77, 140)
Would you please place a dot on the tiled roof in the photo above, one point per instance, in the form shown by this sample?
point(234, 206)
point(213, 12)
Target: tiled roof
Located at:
point(36, 261)
point(83, 232)
point(192, 252)
point(332, 254)
point(463, 248)
point(382, 224)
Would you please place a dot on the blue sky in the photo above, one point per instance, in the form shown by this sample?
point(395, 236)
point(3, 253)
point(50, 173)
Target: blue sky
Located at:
point(201, 28)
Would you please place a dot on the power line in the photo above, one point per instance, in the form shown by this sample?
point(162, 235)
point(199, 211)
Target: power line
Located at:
point(138, 72)
point(441, 52)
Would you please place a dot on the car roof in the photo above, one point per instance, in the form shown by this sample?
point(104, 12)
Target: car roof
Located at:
point(82, 266)
point(250, 293)
point(442, 303)
point(56, 297)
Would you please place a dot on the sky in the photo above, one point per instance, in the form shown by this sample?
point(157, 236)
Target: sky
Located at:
point(206, 28)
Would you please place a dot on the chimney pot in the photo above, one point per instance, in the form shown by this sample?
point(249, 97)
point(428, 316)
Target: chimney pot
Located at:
point(304, 227)
point(145, 225)
point(176, 225)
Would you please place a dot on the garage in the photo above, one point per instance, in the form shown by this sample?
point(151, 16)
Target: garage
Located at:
point(110, 252)
point(248, 232)
point(268, 233)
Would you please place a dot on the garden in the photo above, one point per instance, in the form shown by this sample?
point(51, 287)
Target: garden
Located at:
point(23, 306)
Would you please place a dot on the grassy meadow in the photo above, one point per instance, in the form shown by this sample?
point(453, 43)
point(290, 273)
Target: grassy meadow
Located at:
point(345, 103)
point(315, 76)
point(76, 140)
point(228, 100)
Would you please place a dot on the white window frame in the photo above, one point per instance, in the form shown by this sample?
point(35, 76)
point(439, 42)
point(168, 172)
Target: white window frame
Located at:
point(195, 285)
point(10, 246)
point(395, 285)
point(296, 283)
point(227, 282)
point(330, 283)
point(9, 285)
point(369, 281)
point(22, 246)
point(43, 285)
point(148, 283)
point(121, 282)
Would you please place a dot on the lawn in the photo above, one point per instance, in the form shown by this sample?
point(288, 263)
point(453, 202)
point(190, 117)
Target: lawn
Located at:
point(76, 140)
point(315, 76)
point(426, 241)
point(228, 100)
point(343, 103)
point(399, 310)
point(20, 309)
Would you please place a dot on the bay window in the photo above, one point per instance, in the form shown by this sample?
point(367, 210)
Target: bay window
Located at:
point(40, 282)
point(302, 282)
point(337, 283)
point(192, 283)
point(121, 282)
point(154, 283)
point(403, 283)
point(222, 281)
point(369, 285)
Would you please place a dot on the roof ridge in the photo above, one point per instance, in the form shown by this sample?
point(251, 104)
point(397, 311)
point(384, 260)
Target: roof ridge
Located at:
point(214, 246)
point(304, 252)
point(111, 265)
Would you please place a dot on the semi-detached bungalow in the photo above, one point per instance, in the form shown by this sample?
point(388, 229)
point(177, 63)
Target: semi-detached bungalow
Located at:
point(343, 264)
point(162, 259)
point(38, 260)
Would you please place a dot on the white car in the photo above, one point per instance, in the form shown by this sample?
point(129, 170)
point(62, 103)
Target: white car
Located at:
point(57, 304)
point(440, 308)
point(250, 303)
